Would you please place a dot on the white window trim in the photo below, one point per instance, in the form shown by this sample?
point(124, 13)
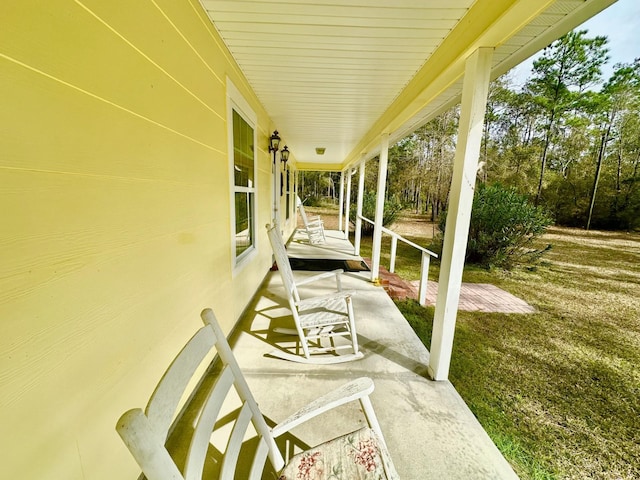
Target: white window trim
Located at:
point(237, 102)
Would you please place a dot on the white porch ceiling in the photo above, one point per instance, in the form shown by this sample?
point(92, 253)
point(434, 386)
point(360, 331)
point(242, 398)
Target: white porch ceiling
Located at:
point(336, 74)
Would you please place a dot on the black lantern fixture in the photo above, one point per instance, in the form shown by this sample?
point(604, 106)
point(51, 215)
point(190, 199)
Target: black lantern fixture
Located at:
point(284, 154)
point(274, 143)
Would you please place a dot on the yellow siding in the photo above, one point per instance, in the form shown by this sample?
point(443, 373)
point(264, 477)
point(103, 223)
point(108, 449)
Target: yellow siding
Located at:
point(114, 190)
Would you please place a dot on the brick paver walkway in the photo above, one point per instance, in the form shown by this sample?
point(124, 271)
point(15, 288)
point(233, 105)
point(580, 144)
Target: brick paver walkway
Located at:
point(474, 297)
point(482, 297)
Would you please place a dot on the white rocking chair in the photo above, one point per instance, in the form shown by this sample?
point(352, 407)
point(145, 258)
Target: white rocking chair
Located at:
point(319, 318)
point(313, 226)
point(361, 454)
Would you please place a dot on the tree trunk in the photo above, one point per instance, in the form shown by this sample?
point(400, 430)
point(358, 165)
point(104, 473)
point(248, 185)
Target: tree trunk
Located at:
point(601, 151)
point(543, 160)
point(603, 142)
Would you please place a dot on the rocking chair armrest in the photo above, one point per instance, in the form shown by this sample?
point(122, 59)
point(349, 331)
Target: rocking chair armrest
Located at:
point(312, 220)
point(354, 390)
point(313, 301)
point(319, 276)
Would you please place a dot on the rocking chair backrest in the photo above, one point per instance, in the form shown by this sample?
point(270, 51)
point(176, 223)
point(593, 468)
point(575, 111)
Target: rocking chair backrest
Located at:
point(303, 214)
point(282, 260)
point(145, 433)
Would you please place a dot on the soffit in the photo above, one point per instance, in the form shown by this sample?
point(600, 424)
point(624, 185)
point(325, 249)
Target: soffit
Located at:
point(338, 74)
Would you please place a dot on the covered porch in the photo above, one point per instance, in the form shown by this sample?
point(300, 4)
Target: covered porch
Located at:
point(430, 431)
point(139, 170)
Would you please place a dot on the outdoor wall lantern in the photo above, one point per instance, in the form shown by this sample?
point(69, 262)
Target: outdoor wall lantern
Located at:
point(284, 154)
point(274, 144)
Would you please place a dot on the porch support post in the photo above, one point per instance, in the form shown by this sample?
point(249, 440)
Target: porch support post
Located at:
point(380, 193)
point(347, 205)
point(474, 100)
point(341, 200)
point(356, 250)
point(276, 190)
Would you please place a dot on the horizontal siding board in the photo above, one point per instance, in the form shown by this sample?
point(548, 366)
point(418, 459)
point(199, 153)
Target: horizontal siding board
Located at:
point(84, 135)
point(114, 186)
point(168, 47)
point(100, 214)
point(83, 53)
point(123, 331)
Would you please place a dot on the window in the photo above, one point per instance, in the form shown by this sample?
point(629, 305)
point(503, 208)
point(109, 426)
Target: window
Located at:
point(244, 185)
point(242, 124)
point(244, 189)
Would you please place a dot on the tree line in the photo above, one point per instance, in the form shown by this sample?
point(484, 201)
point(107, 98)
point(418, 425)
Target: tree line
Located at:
point(568, 139)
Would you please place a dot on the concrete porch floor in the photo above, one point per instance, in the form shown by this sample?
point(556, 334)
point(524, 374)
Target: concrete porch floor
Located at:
point(430, 431)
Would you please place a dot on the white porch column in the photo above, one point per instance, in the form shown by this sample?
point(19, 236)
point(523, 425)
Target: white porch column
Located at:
point(276, 189)
point(341, 200)
point(294, 200)
point(380, 193)
point(347, 205)
point(356, 249)
point(474, 101)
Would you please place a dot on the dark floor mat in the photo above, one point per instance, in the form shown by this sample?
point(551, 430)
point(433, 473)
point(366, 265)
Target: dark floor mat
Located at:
point(325, 265)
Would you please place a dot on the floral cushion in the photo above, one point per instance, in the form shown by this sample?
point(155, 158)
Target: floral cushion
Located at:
point(356, 456)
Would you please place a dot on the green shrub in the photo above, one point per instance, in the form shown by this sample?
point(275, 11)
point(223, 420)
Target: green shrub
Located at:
point(312, 201)
point(392, 209)
point(503, 227)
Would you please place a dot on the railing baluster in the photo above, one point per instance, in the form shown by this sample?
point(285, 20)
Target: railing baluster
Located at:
point(394, 247)
point(424, 266)
point(424, 274)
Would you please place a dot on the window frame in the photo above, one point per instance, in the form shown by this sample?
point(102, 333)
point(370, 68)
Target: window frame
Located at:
point(237, 103)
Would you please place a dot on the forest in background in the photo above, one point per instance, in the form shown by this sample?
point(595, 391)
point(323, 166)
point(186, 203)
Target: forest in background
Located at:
point(568, 139)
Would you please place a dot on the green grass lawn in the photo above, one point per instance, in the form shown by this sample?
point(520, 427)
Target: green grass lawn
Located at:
point(559, 390)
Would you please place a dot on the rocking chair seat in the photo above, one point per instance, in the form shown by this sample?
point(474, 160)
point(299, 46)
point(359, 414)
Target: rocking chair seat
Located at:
point(359, 455)
point(330, 311)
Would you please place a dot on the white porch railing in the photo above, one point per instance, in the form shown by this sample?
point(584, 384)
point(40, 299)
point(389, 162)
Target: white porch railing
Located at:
point(424, 265)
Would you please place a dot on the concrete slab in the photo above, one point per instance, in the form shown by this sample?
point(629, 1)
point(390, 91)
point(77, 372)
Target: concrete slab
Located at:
point(430, 431)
